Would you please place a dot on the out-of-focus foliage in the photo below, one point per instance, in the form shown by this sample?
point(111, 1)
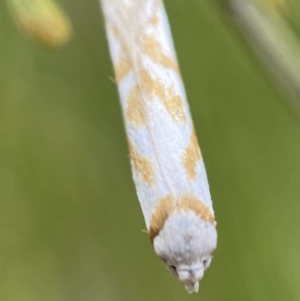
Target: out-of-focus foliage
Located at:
point(275, 6)
point(44, 20)
point(70, 222)
point(272, 30)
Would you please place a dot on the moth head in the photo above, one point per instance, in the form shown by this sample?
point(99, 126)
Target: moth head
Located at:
point(186, 243)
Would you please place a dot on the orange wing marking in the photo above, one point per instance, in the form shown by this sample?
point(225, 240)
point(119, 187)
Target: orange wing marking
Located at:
point(172, 101)
point(142, 165)
point(191, 156)
point(168, 205)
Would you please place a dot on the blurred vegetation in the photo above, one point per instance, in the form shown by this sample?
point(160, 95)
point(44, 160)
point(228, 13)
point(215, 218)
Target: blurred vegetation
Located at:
point(43, 20)
point(70, 222)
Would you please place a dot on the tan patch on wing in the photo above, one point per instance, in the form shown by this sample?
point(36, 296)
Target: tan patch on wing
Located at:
point(190, 202)
point(172, 101)
point(112, 28)
point(122, 67)
point(167, 205)
point(152, 47)
point(191, 156)
point(135, 112)
point(142, 165)
point(154, 20)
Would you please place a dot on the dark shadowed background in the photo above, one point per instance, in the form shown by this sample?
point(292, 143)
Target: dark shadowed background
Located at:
point(70, 222)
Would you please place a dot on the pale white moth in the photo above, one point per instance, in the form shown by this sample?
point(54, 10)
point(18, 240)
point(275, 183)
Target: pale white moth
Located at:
point(167, 165)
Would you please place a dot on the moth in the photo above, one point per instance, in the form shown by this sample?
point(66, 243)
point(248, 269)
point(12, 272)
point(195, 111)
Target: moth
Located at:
point(167, 164)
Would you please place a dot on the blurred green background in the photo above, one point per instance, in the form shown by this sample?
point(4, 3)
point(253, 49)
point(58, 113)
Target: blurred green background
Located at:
point(70, 222)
